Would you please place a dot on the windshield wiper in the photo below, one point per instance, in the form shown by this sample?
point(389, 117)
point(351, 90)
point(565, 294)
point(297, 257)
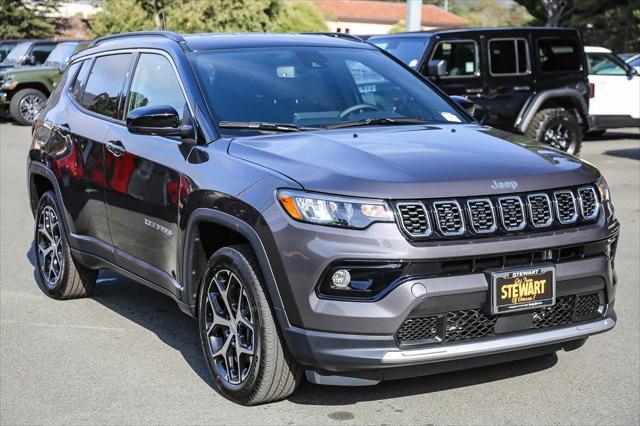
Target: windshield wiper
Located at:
point(384, 121)
point(258, 125)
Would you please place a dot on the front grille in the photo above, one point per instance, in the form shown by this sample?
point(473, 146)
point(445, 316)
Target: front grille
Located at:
point(414, 218)
point(512, 213)
point(498, 215)
point(565, 206)
point(540, 210)
point(589, 206)
point(449, 217)
point(483, 218)
point(470, 324)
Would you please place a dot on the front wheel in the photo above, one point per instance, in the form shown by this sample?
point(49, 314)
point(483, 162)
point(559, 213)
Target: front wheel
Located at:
point(26, 104)
point(557, 128)
point(247, 358)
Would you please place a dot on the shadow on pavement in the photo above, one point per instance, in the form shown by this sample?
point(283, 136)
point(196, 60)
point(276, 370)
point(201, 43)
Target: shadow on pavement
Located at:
point(161, 315)
point(632, 153)
point(149, 309)
point(611, 135)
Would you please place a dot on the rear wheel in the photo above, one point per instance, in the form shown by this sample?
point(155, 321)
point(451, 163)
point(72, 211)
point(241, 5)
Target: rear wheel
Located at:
point(26, 104)
point(62, 277)
point(246, 356)
point(557, 128)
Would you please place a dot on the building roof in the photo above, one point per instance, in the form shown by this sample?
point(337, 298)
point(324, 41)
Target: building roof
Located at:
point(382, 12)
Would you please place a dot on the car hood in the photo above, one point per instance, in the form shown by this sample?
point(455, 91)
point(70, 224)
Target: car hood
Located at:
point(414, 161)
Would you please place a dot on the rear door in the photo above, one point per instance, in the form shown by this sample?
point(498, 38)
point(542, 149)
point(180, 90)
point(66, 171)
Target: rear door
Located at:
point(143, 178)
point(507, 78)
point(614, 91)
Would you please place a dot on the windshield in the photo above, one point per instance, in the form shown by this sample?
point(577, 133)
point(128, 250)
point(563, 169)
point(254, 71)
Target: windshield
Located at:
point(315, 87)
point(15, 56)
point(5, 48)
point(60, 54)
point(408, 49)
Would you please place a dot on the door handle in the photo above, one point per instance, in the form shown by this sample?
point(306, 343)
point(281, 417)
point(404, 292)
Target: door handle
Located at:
point(116, 148)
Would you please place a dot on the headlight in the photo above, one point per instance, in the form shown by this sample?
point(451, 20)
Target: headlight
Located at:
point(603, 189)
point(9, 85)
point(333, 211)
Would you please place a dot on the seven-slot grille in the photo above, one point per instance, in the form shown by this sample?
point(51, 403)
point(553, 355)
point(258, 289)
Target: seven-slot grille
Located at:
point(512, 213)
point(540, 210)
point(449, 217)
point(483, 218)
point(566, 206)
point(498, 214)
point(415, 219)
point(589, 205)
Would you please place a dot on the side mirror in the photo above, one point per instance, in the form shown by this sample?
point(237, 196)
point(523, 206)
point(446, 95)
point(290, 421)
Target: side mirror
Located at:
point(31, 60)
point(465, 103)
point(159, 120)
point(437, 68)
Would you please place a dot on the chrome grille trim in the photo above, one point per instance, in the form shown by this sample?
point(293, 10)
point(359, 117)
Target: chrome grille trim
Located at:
point(561, 210)
point(503, 218)
point(596, 209)
point(418, 204)
point(447, 233)
point(472, 224)
point(548, 209)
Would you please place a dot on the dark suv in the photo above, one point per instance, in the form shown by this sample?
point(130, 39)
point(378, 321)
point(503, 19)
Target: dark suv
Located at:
point(524, 80)
point(318, 207)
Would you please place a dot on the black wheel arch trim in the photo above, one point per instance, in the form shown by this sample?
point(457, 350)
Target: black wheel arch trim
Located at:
point(206, 215)
point(532, 106)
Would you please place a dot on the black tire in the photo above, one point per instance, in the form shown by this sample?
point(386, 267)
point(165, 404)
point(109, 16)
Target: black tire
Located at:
point(73, 280)
point(5, 115)
point(557, 128)
point(271, 373)
point(32, 97)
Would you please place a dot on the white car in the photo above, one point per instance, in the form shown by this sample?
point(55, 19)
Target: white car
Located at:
point(615, 91)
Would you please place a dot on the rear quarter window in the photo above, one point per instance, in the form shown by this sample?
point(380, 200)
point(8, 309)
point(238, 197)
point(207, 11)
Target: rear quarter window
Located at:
point(558, 54)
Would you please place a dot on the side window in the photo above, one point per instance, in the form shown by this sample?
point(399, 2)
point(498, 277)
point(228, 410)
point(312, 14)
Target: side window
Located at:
point(105, 84)
point(80, 81)
point(460, 56)
point(155, 83)
point(604, 65)
point(508, 56)
point(41, 52)
point(558, 54)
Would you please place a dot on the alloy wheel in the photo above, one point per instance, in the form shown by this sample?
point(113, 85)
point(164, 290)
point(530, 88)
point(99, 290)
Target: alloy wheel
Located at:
point(229, 325)
point(49, 245)
point(559, 137)
point(30, 106)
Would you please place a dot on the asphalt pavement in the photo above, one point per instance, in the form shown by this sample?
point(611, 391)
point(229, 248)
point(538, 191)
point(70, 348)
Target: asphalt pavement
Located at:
point(127, 355)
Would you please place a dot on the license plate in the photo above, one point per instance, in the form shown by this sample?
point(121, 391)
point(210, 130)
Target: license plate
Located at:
point(522, 289)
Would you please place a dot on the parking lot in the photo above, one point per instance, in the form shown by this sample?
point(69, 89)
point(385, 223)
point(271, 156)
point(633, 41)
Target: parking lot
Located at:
point(128, 355)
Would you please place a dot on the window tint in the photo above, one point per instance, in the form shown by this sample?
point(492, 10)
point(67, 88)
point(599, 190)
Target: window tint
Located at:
point(105, 84)
point(508, 56)
point(41, 52)
point(155, 83)
point(558, 54)
point(460, 57)
point(80, 81)
point(603, 64)
point(5, 48)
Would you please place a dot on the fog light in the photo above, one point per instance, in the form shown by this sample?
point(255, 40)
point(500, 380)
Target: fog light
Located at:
point(341, 278)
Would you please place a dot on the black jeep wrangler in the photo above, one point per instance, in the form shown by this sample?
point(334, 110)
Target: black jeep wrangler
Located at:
point(527, 80)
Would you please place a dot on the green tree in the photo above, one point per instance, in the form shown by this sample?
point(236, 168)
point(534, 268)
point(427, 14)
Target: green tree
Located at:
point(490, 13)
point(399, 27)
point(119, 16)
point(21, 19)
point(299, 17)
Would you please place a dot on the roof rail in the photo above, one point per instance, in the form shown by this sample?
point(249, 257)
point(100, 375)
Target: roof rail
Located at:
point(337, 35)
point(168, 34)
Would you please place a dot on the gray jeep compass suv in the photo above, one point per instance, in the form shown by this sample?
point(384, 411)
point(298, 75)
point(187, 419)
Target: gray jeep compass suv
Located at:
point(319, 207)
